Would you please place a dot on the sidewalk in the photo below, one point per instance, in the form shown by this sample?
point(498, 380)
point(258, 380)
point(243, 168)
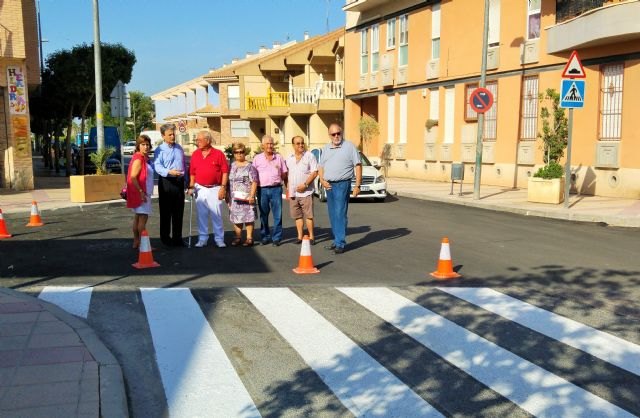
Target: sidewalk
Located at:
point(53, 365)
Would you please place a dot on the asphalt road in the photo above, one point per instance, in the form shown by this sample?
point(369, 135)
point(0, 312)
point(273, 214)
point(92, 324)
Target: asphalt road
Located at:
point(585, 272)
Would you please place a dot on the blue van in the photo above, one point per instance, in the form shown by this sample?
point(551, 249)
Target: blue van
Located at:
point(111, 139)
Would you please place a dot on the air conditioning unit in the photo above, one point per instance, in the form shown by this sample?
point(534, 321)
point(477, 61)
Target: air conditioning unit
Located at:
point(493, 58)
point(386, 62)
point(433, 69)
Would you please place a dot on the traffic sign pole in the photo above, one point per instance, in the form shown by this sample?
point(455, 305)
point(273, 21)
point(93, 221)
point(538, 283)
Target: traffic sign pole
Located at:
point(567, 167)
point(483, 77)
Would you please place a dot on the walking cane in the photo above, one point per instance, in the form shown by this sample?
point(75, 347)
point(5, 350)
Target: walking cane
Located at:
point(193, 196)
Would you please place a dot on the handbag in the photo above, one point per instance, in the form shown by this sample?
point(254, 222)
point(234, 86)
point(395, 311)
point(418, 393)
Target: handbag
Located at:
point(123, 193)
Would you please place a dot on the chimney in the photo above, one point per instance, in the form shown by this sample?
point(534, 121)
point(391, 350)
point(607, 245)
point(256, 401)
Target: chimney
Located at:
point(276, 45)
point(306, 35)
point(262, 49)
point(249, 54)
point(234, 60)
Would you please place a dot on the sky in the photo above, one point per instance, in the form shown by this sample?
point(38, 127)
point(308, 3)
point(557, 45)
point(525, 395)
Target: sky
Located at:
point(178, 40)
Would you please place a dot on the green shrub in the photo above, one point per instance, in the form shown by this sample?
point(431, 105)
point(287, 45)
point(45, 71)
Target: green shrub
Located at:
point(99, 159)
point(553, 170)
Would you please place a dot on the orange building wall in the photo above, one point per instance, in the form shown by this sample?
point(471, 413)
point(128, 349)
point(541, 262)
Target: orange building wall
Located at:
point(460, 60)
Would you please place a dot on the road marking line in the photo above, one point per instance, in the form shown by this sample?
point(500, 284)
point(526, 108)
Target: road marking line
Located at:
point(73, 299)
point(609, 348)
point(364, 386)
point(531, 387)
point(198, 378)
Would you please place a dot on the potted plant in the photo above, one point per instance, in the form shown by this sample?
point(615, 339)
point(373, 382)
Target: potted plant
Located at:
point(547, 184)
point(430, 134)
point(369, 129)
point(100, 186)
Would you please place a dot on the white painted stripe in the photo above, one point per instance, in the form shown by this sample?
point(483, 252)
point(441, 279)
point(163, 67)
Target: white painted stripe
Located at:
point(362, 384)
point(198, 378)
point(612, 349)
point(73, 299)
point(532, 388)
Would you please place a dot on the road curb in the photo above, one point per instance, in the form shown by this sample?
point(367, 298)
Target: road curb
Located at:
point(113, 399)
point(564, 216)
point(75, 208)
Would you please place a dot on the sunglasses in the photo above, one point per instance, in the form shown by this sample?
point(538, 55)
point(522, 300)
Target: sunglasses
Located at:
point(238, 152)
point(335, 133)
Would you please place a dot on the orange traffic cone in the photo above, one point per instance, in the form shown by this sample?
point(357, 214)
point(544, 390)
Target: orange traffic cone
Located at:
point(3, 228)
point(305, 263)
point(34, 219)
point(145, 256)
point(445, 265)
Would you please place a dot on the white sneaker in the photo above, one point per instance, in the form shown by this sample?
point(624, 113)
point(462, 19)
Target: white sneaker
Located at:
point(221, 244)
point(201, 244)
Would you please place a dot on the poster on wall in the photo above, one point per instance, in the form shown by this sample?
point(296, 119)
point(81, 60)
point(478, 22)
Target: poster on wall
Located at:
point(21, 135)
point(17, 91)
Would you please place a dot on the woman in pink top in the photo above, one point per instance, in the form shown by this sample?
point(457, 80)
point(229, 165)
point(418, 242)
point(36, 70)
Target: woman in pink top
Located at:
point(140, 187)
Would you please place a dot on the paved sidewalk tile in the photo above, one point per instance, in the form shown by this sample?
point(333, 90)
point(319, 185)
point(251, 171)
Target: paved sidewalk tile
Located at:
point(48, 373)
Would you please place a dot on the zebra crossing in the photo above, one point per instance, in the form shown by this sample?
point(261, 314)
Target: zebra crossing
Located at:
point(372, 352)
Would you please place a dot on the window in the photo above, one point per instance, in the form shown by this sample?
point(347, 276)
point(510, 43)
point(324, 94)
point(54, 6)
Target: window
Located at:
point(494, 23)
point(403, 118)
point(233, 93)
point(240, 128)
point(434, 104)
point(529, 118)
point(449, 114)
point(435, 31)
point(364, 52)
point(391, 118)
point(403, 54)
point(391, 33)
point(375, 47)
point(533, 19)
point(469, 113)
point(491, 116)
point(611, 102)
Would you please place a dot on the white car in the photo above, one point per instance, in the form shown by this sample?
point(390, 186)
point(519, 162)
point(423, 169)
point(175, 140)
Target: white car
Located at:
point(373, 186)
point(129, 148)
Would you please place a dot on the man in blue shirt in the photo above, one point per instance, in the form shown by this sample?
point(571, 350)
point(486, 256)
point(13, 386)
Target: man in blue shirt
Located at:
point(338, 163)
point(170, 165)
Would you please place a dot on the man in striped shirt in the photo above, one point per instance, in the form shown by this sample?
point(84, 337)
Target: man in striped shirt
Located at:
point(303, 169)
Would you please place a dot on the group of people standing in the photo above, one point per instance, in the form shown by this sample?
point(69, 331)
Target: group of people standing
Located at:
point(243, 186)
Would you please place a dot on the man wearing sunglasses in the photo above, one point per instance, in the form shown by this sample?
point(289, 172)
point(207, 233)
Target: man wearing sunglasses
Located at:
point(339, 163)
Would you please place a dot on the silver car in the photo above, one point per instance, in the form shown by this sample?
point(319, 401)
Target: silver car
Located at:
point(373, 186)
point(129, 148)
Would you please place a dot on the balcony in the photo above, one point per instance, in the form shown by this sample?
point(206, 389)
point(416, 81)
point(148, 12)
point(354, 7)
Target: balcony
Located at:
point(274, 103)
point(325, 96)
point(606, 25)
point(361, 5)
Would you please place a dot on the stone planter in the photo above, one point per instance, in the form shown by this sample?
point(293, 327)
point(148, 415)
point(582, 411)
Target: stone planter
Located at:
point(93, 188)
point(545, 190)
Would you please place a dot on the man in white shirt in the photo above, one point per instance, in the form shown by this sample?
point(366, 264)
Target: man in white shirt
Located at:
point(303, 169)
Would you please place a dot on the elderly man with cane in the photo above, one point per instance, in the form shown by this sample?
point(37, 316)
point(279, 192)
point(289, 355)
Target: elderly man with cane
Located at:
point(209, 174)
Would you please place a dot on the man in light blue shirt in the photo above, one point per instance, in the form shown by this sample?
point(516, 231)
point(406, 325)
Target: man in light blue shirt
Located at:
point(170, 165)
point(339, 161)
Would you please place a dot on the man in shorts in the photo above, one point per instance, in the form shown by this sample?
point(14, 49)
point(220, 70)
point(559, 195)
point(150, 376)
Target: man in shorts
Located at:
point(303, 169)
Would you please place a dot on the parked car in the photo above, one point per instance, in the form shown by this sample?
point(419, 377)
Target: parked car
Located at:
point(373, 186)
point(129, 148)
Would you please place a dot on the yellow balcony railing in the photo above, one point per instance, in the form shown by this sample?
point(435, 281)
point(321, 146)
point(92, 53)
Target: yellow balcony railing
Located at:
point(273, 99)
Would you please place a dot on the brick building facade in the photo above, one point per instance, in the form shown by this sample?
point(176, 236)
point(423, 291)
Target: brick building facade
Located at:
point(19, 75)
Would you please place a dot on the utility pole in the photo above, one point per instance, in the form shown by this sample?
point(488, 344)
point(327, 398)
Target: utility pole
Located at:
point(483, 78)
point(98, 75)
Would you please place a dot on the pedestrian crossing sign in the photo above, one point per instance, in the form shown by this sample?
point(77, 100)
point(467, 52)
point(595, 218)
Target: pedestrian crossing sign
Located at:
point(572, 94)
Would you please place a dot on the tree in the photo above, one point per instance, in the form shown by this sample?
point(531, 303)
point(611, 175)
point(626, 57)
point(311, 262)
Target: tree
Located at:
point(555, 127)
point(369, 129)
point(70, 82)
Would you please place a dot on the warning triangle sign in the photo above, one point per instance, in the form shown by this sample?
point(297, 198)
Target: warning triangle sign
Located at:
point(573, 94)
point(574, 68)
